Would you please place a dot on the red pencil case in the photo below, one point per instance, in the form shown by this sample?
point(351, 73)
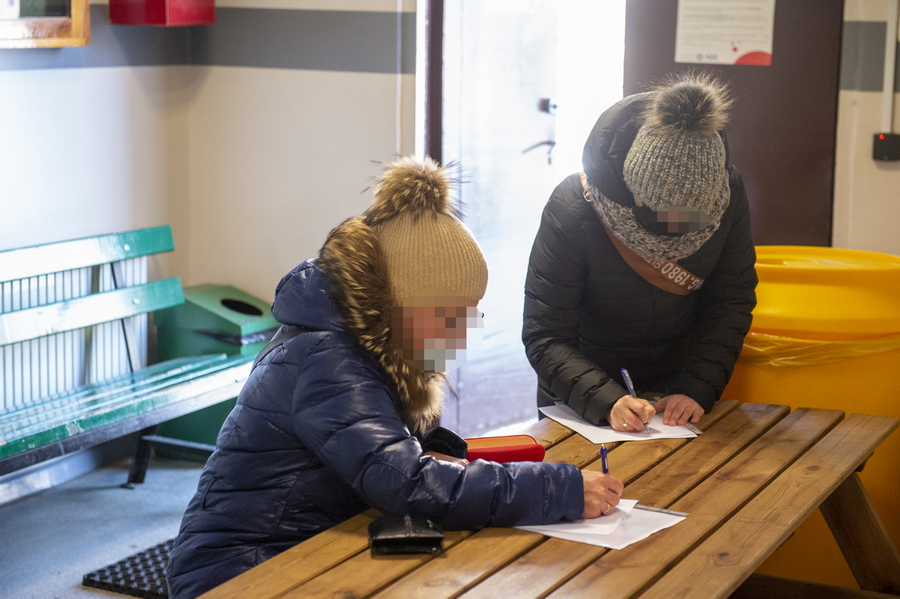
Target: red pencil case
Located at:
point(509, 448)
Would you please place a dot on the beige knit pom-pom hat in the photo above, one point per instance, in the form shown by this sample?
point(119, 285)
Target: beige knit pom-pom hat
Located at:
point(425, 244)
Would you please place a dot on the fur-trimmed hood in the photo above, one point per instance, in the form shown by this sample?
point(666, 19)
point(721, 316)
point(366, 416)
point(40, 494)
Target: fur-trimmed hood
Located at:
point(359, 298)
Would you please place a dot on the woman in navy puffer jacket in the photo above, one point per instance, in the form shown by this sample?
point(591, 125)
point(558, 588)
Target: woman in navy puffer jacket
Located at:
point(322, 429)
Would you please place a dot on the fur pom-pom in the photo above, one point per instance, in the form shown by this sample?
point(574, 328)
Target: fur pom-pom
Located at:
point(412, 186)
point(692, 103)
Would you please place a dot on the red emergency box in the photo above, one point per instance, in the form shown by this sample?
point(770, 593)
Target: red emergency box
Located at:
point(162, 12)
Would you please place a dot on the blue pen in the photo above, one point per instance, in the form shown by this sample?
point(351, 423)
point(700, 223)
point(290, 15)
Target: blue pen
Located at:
point(603, 461)
point(630, 386)
point(628, 383)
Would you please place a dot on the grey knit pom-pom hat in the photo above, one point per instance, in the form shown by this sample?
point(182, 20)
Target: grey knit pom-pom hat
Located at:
point(678, 157)
point(677, 162)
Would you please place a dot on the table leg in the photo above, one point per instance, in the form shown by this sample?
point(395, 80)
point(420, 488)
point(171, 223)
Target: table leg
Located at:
point(862, 537)
point(772, 587)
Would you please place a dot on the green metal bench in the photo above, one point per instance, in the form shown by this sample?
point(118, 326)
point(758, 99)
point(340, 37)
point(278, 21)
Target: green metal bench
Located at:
point(73, 337)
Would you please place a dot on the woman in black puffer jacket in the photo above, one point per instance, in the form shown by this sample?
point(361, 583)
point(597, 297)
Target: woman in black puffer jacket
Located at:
point(644, 261)
point(338, 418)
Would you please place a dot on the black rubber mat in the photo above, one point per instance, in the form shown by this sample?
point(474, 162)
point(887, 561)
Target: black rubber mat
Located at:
point(140, 575)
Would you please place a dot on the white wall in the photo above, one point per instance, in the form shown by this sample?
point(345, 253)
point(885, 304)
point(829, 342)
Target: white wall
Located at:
point(250, 166)
point(279, 157)
point(866, 191)
point(91, 151)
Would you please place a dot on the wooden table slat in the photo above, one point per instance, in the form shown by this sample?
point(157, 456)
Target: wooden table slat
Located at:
point(283, 572)
point(541, 569)
point(362, 575)
point(579, 451)
point(701, 457)
point(575, 450)
point(623, 573)
point(548, 432)
point(483, 553)
point(719, 564)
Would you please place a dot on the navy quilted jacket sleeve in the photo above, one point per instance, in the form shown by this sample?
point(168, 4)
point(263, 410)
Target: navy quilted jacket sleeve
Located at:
point(353, 428)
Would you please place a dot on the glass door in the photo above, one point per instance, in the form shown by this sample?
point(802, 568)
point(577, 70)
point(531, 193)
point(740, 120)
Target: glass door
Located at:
point(524, 81)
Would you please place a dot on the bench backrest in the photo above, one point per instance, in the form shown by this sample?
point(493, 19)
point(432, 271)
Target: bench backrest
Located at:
point(74, 312)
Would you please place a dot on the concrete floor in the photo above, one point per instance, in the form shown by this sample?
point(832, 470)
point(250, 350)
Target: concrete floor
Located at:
point(52, 538)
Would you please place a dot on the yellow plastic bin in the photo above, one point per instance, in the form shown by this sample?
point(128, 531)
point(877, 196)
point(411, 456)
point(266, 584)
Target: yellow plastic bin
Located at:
point(826, 334)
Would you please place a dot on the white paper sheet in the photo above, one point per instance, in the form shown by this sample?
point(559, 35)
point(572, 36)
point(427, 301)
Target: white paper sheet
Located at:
point(637, 525)
point(605, 434)
point(604, 525)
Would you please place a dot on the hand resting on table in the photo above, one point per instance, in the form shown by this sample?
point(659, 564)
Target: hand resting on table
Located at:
point(679, 409)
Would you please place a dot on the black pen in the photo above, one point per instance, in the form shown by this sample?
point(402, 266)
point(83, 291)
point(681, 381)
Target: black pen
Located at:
point(604, 464)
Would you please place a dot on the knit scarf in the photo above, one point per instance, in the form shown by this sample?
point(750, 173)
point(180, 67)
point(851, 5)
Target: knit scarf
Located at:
point(650, 246)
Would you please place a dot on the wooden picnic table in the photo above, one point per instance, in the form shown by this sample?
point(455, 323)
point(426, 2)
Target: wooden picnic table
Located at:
point(747, 482)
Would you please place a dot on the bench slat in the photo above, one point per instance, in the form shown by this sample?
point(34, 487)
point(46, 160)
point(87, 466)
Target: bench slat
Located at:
point(92, 397)
point(222, 385)
point(69, 315)
point(43, 421)
point(183, 386)
point(40, 260)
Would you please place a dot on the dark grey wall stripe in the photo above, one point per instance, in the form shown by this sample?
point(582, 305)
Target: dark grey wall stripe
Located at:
point(328, 40)
point(261, 38)
point(862, 57)
point(308, 39)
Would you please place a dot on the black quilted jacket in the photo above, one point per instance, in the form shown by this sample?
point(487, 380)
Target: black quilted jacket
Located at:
point(587, 314)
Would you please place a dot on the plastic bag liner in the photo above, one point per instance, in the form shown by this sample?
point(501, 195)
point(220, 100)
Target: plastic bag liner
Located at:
point(775, 350)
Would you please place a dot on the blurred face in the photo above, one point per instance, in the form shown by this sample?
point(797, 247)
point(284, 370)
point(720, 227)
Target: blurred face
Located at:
point(436, 331)
point(673, 221)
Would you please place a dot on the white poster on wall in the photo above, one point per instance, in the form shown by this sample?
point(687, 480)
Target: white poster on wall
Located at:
point(725, 31)
point(9, 9)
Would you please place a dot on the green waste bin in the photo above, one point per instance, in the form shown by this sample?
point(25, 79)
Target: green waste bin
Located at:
point(214, 319)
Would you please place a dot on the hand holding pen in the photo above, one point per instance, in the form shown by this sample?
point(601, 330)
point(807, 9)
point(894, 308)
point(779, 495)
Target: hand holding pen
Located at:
point(601, 490)
point(630, 413)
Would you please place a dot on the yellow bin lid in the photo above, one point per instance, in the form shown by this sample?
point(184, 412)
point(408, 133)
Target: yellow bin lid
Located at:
point(826, 292)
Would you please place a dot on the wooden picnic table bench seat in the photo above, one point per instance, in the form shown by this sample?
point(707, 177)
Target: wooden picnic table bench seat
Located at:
point(73, 337)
